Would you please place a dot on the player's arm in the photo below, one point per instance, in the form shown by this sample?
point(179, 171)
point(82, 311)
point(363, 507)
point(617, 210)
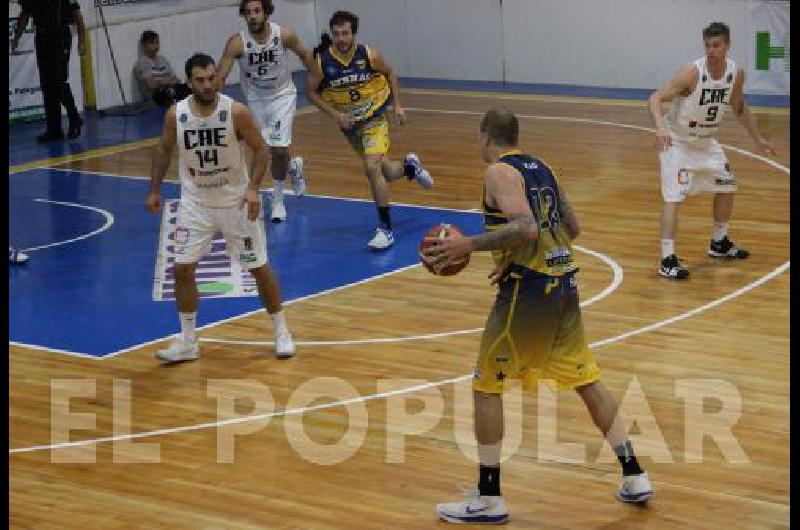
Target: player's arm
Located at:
point(233, 50)
point(292, 42)
point(504, 189)
point(247, 130)
point(742, 112)
point(314, 95)
point(22, 23)
point(567, 214)
point(80, 26)
point(162, 155)
point(380, 65)
point(681, 83)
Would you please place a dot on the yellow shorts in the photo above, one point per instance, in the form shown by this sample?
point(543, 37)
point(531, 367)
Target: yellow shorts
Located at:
point(370, 137)
point(535, 332)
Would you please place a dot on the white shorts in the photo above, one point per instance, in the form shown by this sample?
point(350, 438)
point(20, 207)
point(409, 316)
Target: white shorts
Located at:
point(246, 240)
point(692, 169)
point(275, 116)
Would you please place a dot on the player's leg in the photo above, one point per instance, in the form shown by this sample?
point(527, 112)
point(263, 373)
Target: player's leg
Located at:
point(724, 186)
point(270, 294)
point(602, 406)
point(384, 237)
point(193, 236)
point(411, 168)
point(674, 186)
point(279, 165)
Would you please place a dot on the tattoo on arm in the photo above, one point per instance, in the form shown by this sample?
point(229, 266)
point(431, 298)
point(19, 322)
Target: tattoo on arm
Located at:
point(515, 233)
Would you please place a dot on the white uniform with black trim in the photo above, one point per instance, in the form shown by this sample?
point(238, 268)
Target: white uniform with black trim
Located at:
point(695, 162)
point(213, 175)
point(266, 81)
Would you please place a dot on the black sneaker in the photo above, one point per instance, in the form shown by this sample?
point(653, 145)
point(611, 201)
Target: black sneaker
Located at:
point(672, 268)
point(74, 128)
point(50, 137)
point(724, 248)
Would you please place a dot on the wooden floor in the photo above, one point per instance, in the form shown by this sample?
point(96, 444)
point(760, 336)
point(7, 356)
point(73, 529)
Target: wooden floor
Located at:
point(611, 175)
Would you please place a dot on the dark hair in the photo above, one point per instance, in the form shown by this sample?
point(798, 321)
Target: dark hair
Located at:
point(340, 17)
point(266, 5)
point(717, 29)
point(198, 60)
point(148, 36)
point(501, 126)
point(324, 43)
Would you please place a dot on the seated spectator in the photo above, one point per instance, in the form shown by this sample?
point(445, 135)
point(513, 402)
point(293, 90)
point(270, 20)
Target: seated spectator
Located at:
point(155, 74)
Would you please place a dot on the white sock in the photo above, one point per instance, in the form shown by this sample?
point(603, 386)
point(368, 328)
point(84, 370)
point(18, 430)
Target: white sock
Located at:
point(667, 247)
point(720, 231)
point(279, 323)
point(277, 195)
point(188, 323)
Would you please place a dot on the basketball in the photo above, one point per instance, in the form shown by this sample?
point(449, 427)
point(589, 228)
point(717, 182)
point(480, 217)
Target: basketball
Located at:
point(439, 232)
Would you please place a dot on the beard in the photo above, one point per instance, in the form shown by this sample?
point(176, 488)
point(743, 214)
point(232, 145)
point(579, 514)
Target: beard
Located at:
point(205, 99)
point(257, 27)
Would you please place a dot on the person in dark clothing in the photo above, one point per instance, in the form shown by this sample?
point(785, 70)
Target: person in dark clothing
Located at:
point(53, 44)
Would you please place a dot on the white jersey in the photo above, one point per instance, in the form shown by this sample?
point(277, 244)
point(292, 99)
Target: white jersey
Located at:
point(264, 68)
point(211, 163)
point(699, 114)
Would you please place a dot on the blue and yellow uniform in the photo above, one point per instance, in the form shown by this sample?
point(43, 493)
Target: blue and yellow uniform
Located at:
point(351, 85)
point(534, 331)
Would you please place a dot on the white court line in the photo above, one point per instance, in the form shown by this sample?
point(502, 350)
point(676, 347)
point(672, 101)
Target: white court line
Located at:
point(615, 283)
point(108, 216)
point(322, 406)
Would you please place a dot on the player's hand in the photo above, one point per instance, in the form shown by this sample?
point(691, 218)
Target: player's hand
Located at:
point(345, 121)
point(663, 139)
point(81, 48)
point(496, 275)
point(153, 202)
point(443, 251)
point(766, 147)
point(400, 115)
point(252, 200)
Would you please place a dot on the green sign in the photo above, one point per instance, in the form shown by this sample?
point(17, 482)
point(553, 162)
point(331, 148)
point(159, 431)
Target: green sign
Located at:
point(765, 52)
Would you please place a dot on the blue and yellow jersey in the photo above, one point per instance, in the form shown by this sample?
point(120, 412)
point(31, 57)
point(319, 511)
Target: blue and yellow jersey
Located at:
point(351, 85)
point(551, 254)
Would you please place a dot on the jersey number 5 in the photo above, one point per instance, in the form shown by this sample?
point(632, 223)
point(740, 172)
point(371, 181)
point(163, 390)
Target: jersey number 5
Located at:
point(205, 156)
point(712, 113)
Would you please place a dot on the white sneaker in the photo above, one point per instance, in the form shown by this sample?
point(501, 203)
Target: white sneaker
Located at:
point(418, 173)
point(284, 346)
point(382, 239)
point(635, 489)
point(179, 350)
point(296, 174)
point(278, 210)
point(476, 509)
point(16, 256)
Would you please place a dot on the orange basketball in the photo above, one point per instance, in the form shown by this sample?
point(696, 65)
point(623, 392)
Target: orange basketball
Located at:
point(438, 232)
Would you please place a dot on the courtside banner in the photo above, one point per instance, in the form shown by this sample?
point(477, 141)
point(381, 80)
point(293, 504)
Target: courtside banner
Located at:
point(122, 11)
point(24, 89)
point(217, 275)
point(768, 36)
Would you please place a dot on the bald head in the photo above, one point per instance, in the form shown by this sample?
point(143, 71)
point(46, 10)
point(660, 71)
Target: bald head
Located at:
point(501, 127)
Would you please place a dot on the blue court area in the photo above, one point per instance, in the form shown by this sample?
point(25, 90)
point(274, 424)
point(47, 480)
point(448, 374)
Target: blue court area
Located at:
point(94, 295)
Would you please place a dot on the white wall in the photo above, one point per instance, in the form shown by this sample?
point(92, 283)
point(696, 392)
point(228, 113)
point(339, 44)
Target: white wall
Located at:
point(181, 36)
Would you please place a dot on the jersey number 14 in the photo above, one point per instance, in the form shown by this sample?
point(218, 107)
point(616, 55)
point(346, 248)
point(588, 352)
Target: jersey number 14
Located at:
point(207, 156)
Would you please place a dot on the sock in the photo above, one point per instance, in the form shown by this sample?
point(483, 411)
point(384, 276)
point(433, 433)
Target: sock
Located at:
point(188, 323)
point(277, 195)
point(720, 231)
point(667, 247)
point(383, 217)
point(489, 481)
point(630, 466)
point(279, 323)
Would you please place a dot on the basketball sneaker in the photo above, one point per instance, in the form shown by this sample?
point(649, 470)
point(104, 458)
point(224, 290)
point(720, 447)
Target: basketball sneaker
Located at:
point(180, 350)
point(476, 509)
point(296, 174)
point(16, 256)
point(672, 268)
point(284, 346)
point(635, 489)
point(382, 239)
point(278, 210)
point(724, 248)
point(413, 168)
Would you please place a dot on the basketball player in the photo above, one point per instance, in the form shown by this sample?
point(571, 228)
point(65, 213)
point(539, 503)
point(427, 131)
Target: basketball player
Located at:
point(216, 196)
point(352, 83)
point(534, 331)
point(266, 81)
point(692, 161)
